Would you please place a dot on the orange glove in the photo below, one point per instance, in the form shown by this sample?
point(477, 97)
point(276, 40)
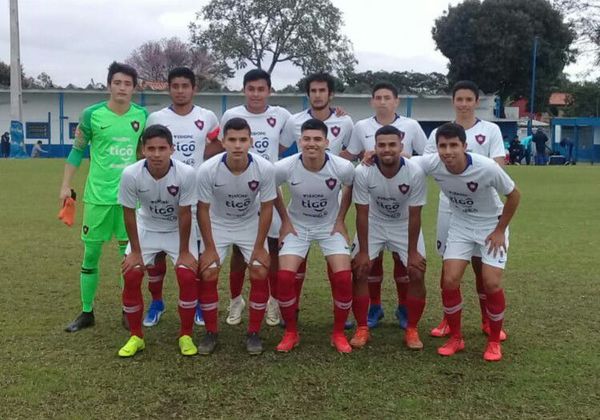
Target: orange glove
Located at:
point(67, 213)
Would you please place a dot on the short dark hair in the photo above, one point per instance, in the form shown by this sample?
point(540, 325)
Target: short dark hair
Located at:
point(157, 130)
point(385, 85)
point(185, 72)
point(257, 74)
point(236, 124)
point(389, 129)
point(467, 85)
point(121, 68)
point(314, 124)
point(449, 131)
point(320, 77)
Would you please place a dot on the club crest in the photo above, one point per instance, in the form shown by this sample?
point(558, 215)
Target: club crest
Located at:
point(86, 229)
point(173, 190)
point(480, 138)
point(403, 188)
point(253, 185)
point(199, 124)
point(135, 125)
point(439, 244)
point(331, 183)
point(335, 130)
point(472, 186)
point(271, 121)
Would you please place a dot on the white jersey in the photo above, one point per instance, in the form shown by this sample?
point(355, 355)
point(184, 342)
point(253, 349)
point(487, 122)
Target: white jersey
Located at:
point(339, 130)
point(159, 199)
point(363, 135)
point(314, 201)
point(189, 131)
point(234, 199)
point(266, 128)
point(473, 194)
point(389, 198)
point(484, 138)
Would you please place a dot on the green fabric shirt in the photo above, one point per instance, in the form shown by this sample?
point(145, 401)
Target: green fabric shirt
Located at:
point(113, 141)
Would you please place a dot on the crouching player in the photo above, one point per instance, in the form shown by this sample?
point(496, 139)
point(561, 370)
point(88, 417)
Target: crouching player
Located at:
point(236, 190)
point(165, 191)
point(388, 197)
point(478, 226)
point(315, 178)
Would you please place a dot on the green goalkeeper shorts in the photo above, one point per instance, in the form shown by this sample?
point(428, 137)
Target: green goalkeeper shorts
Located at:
point(101, 222)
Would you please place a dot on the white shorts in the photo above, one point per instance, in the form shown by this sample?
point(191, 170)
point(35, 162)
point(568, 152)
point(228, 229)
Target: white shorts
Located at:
point(443, 224)
point(243, 239)
point(466, 242)
point(275, 225)
point(330, 244)
point(153, 243)
point(393, 237)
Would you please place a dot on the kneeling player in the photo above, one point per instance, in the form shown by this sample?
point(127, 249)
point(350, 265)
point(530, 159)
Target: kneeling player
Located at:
point(230, 187)
point(388, 197)
point(165, 190)
point(478, 226)
point(315, 178)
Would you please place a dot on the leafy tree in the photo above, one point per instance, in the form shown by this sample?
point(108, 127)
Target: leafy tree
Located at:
point(584, 99)
point(44, 81)
point(4, 74)
point(584, 15)
point(265, 33)
point(490, 42)
point(406, 82)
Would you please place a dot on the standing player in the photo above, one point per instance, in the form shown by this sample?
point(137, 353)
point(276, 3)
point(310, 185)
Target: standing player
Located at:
point(478, 226)
point(236, 190)
point(165, 191)
point(385, 103)
point(315, 178)
point(112, 129)
point(193, 128)
point(483, 138)
point(388, 197)
point(266, 123)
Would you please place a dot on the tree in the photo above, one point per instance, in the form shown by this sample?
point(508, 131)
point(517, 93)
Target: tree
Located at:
point(154, 59)
point(490, 42)
point(406, 82)
point(584, 15)
point(584, 99)
point(44, 81)
point(265, 33)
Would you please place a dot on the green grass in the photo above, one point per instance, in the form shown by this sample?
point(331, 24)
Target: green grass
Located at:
point(551, 366)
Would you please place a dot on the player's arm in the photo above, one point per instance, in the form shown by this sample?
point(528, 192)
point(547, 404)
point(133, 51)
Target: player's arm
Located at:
point(210, 255)
point(213, 145)
point(259, 253)
point(415, 259)
point(286, 224)
point(496, 241)
point(82, 139)
point(340, 220)
point(361, 262)
point(185, 228)
point(347, 155)
point(134, 258)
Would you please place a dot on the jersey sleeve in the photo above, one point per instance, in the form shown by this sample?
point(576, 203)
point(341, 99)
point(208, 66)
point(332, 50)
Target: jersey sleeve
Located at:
point(188, 195)
point(226, 117)
point(418, 193)
point(204, 187)
point(355, 145)
point(153, 119)
point(419, 139)
point(287, 137)
point(496, 143)
point(347, 177)
point(501, 181)
point(83, 132)
point(268, 190)
point(360, 190)
point(127, 192)
point(348, 128)
point(426, 163)
point(281, 171)
point(430, 146)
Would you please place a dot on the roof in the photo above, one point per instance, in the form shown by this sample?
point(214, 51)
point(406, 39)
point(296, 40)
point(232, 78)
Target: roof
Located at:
point(559, 99)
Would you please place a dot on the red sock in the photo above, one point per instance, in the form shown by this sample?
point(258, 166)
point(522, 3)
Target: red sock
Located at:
point(133, 302)
point(209, 303)
point(156, 275)
point(495, 312)
point(401, 279)
point(341, 289)
point(482, 299)
point(452, 301)
point(286, 295)
point(259, 294)
point(375, 279)
point(414, 307)
point(300, 276)
point(236, 283)
point(360, 308)
point(188, 299)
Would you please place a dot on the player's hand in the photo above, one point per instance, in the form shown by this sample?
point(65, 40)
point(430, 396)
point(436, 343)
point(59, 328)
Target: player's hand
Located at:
point(262, 256)
point(368, 158)
point(208, 258)
point(65, 192)
point(187, 259)
point(340, 227)
point(285, 230)
point(340, 112)
point(132, 261)
point(416, 261)
point(496, 243)
point(361, 264)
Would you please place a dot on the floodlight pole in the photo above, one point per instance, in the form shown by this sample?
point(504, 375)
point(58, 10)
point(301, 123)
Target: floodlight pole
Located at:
point(16, 91)
point(532, 96)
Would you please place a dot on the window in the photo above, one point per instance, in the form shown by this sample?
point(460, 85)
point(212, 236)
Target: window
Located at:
point(72, 128)
point(37, 130)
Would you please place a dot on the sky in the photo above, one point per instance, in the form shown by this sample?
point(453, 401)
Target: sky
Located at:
point(75, 40)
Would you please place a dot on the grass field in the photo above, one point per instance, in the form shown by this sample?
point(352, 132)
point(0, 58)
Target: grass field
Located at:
point(551, 367)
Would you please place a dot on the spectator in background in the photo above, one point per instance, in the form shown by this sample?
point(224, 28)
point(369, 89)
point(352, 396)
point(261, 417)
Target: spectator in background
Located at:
point(540, 139)
point(37, 150)
point(515, 150)
point(567, 144)
point(5, 145)
point(526, 143)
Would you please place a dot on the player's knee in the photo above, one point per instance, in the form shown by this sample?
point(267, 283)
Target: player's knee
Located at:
point(450, 281)
point(258, 272)
point(209, 275)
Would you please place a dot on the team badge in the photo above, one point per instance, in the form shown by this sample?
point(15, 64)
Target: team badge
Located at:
point(480, 138)
point(403, 188)
point(335, 130)
point(439, 244)
point(331, 183)
point(253, 185)
point(173, 190)
point(199, 124)
point(472, 186)
point(271, 121)
point(135, 125)
point(86, 229)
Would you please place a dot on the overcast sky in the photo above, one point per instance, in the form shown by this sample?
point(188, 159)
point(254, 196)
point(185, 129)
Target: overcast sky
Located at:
point(75, 40)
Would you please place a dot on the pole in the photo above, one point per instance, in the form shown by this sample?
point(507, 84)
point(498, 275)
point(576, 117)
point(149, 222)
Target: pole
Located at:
point(532, 96)
point(16, 92)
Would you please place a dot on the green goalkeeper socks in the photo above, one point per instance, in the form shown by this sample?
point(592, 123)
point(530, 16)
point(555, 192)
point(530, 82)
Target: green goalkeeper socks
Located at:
point(89, 274)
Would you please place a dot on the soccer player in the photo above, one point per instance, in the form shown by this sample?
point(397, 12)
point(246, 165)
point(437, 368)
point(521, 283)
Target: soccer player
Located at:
point(315, 178)
point(483, 138)
point(236, 190)
point(193, 129)
point(165, 190)
point(388, 197)
point(266, 123)
point(478, 226)
point(112, 129)
point(385, 103)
